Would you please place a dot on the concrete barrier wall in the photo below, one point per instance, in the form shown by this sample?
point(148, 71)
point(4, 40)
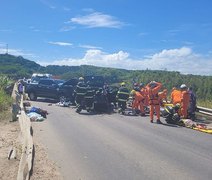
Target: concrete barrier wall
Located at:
point(28, 151)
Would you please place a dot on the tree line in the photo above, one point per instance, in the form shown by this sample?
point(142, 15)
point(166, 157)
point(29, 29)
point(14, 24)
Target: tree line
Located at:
point(18, 67)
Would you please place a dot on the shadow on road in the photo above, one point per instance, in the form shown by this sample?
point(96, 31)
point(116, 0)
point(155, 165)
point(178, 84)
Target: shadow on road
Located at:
point(52, 101)
point(172, 125)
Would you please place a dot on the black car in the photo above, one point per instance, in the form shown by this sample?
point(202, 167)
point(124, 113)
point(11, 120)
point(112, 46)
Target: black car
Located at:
point(95, 81)
point(67, 89)
point(49, 88)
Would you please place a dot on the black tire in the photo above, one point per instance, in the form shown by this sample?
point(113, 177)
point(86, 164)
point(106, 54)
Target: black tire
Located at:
point(32, 96)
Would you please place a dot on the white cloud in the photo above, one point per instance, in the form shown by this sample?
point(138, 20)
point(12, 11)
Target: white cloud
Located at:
point(66, 9)
point(5, 30)
point(173, 53)
point(97, 19)
point(183, 60)
point(86, 46)
point(67, 28)
point(61, 43)
point(143, 34)
point(48, 3)
point(34, 29)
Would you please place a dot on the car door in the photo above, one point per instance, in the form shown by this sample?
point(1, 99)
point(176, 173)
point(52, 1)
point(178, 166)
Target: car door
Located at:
point(67, 88)
point(48, 88)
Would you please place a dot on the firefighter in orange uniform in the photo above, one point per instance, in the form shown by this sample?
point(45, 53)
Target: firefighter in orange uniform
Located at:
point(163, 96)
point(152, 90)
point(185, 100)
point(138, 103)
point(143, 91)
point(175, 96)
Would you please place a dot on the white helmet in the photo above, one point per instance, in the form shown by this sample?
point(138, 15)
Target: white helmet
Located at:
point(183, 86)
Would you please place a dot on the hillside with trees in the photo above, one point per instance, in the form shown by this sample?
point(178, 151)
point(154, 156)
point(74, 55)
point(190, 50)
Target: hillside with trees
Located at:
point(17, 67)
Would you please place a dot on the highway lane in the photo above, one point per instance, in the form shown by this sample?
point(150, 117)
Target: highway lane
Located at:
point(117, 147)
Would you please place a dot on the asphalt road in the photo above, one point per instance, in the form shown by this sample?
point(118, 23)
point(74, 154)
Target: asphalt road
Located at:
point(117, 147)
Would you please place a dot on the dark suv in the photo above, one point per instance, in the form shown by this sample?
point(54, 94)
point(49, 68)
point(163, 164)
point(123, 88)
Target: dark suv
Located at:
point(49, 88)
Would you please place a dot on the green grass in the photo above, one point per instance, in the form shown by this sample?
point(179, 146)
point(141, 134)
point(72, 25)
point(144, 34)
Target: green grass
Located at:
point(205, 103)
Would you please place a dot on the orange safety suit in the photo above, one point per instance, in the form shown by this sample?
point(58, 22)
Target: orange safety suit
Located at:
point(184, 103)
point(154, 100)
point(176, 96)
point(138, 102)
point(145, 95)
point(163, 96)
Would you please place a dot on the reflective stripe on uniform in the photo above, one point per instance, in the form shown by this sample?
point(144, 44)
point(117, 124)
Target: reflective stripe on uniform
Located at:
point(81, 93)
point(81, 87)
point(123, 100)
point(123, 93)
point(89, 97)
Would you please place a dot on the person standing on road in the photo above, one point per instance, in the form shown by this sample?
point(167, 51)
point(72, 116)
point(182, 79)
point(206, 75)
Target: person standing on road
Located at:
point(163, 97)
point(193, 103)
point(175, 96)
point(20, 87)
point(185, 101)
point(144, 93)
point(81, 90)
point(154, 101)
point(122, 97)
point(138, 102)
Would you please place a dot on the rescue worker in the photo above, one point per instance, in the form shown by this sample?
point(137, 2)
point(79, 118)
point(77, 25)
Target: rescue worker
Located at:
point(81, 90)
point(193, 104)
point(122, 97)
point(143, 91)
point(138, 102)
point(175, 96)
point(136, 87)
point(20, 87)
point(163, 97)
point(89, 97)
point(185, 100)
point(100, 102)
point(152, 90)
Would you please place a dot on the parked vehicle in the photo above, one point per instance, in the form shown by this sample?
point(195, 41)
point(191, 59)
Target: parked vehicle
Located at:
point(49, 88)
point(95, 81)
point(67, 90)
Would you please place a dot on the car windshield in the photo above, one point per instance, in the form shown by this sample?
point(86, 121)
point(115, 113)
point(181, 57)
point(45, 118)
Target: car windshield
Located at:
point(59, 81)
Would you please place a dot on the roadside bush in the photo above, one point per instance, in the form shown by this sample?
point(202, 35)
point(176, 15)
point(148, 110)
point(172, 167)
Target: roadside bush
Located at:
point(5, 82)
point(5, 101)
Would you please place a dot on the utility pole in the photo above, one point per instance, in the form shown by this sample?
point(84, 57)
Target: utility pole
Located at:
point(6, 48)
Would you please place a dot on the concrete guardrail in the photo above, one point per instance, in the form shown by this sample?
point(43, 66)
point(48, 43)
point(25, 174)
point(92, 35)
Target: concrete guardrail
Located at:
point(28, 151)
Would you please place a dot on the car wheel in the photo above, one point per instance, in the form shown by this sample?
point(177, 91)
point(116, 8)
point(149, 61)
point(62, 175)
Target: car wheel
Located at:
point(32, 96)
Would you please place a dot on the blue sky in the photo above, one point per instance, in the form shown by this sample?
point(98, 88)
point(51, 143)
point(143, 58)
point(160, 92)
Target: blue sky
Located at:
point(175, 35)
